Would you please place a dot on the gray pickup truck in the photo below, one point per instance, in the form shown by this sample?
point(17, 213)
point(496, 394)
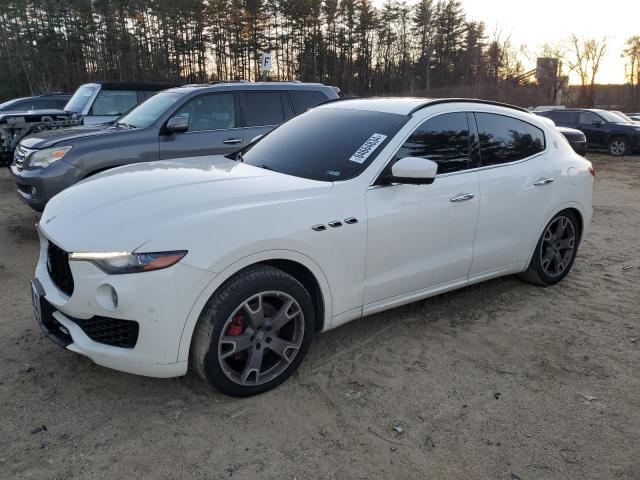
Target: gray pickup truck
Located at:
point(193, 120)
point(91, 104)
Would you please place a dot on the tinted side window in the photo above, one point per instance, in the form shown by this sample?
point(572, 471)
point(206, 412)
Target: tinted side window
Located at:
point(305, 99)
point(589, 118)
point(263, 108)
point(42, 104)
point(114, 102)
point(59, 103)
point(210, 112)
point(564, 117)
point(24, 105)
point(505, 139)
point(443, 139)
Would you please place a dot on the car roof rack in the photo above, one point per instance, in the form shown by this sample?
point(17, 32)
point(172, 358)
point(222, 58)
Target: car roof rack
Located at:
point(217, 82)
point(154, 86)
point(439, 101)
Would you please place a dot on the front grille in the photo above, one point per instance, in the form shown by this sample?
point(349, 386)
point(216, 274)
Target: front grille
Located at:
point(19, 156)
point(110, 331)
point(575, 137)
point(58, 268)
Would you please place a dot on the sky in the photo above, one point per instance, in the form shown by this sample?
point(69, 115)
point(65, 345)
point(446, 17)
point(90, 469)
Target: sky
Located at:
point(551, 21)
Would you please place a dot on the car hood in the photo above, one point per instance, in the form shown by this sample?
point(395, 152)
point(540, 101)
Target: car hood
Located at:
point(49, 138)
point(572, 133)
point(124, 208)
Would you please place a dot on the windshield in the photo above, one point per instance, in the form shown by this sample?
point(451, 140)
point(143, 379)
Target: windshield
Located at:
point(327, 144)
point(611, 117)
point(150, 110)
point(77, 103)
point(8, 104)
point(623, 116)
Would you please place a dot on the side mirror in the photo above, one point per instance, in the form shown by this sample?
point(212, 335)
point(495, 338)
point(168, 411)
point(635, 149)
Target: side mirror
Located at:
point(177, 125)
point(597, 123)
point(414, 170)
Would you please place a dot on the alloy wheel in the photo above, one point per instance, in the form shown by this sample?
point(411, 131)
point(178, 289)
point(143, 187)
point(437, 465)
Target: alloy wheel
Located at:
point(618, 147)
point(558, 245)
point(261, 338)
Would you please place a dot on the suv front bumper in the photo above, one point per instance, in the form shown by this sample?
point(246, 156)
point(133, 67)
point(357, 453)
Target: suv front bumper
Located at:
point(36, 187)
point(159, 301)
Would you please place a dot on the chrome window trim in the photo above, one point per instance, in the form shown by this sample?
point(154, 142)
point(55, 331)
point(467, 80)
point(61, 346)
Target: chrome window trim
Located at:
point(214, 130)
point(469, 170)
point(264, 126)
point(490, 167)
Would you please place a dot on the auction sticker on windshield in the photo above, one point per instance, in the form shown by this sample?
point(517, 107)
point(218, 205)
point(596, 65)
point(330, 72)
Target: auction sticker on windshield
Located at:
point(368, 147)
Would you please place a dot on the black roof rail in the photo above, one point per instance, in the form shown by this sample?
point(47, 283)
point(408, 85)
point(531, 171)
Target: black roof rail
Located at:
point(429, 103)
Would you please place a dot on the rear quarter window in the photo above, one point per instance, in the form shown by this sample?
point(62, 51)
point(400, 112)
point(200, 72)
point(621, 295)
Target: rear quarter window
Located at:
point(564, 117)
point(263, 108)
point(505, 139)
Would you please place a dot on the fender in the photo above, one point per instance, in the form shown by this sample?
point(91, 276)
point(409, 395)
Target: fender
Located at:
point(586, 219)
point(617, 134)
point(228, 272)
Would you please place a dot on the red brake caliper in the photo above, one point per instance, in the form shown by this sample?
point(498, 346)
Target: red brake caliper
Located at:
point(236, 328)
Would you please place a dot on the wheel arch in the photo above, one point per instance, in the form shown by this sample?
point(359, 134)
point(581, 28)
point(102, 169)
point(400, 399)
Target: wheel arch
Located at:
point(573, 207)
point(298, 265)
point(616, 134)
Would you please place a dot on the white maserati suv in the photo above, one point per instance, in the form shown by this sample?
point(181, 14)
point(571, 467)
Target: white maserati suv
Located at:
point(230, 265)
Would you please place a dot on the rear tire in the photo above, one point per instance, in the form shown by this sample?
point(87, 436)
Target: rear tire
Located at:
point(619, 146)
point(254, 332)
point(555, 252)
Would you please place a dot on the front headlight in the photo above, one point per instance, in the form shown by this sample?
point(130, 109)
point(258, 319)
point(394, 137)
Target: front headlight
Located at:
point(47, 156)
point(115, 263)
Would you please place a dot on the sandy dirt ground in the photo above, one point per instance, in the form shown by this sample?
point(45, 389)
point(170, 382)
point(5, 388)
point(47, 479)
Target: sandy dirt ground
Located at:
point(501, 380)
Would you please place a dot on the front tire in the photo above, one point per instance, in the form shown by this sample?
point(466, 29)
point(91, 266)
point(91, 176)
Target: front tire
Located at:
point(254, 332)
point(555, 252)
point(619, 146)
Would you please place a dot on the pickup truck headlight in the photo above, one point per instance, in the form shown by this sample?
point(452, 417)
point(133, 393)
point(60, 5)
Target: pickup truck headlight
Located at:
point(116, 263)
point(47, 156)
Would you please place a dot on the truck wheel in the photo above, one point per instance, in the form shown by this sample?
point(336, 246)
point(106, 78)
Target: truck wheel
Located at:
point(619, 146)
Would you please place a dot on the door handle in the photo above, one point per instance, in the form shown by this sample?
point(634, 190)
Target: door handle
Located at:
point(543, 181)
point(232, 141)
point(462, 197)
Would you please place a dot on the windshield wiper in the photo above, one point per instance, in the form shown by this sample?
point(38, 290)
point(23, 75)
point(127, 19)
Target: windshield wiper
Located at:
point(127, 125)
